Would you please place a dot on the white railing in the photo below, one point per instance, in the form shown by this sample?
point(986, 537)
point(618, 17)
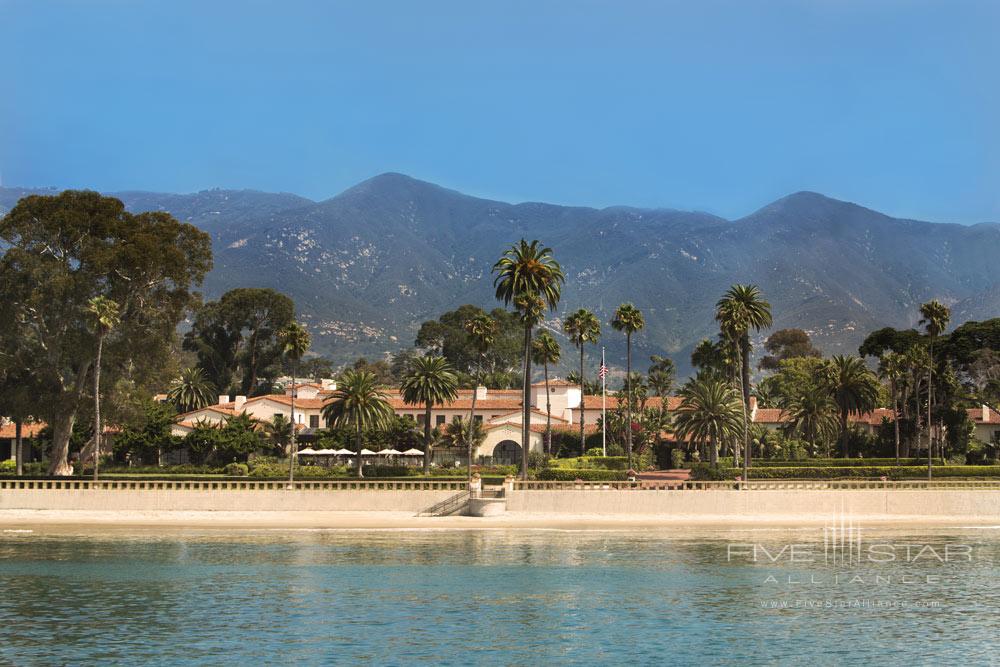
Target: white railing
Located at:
point(764, 484)
point(230, 485)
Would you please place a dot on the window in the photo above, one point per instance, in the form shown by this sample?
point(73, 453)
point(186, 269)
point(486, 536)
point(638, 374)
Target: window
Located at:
point(478, 419)
point(313, 421)
point(421, 419)
point(439, 420)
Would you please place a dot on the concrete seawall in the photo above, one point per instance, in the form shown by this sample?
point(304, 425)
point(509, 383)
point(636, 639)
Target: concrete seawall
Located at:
point(231, 500)
point(939, 504)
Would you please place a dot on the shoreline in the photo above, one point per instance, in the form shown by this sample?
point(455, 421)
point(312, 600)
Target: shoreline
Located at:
point(13, 520)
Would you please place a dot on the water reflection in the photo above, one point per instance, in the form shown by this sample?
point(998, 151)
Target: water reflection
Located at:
point(478, 596)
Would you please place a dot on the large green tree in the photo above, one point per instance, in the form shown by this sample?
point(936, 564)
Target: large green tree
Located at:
point(628, 319)
point(709, 413)
point(239, 334)
point(428, 381)
point(526, 275)
point(449, 336)
point(66, 249)
point(191, 390)
point(787, 344)
point(359, 404)
point(854, 389)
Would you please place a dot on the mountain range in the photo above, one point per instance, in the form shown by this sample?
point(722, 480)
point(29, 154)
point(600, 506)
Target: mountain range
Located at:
point(367, 266)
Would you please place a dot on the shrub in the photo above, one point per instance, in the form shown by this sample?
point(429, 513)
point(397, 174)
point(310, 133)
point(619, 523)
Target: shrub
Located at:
point(569, 475)
point(8, 466)
point(677, 458)
point(595, 451)
point(706, 472)
point(236, 470)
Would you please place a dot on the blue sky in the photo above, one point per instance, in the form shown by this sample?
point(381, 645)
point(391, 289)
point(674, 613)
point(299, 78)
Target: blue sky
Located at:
point(714, 105)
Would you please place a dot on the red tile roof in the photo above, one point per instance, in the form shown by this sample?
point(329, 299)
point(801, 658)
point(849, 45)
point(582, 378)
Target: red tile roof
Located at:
point(591, 402)
point(976, 415)
point(7, 431)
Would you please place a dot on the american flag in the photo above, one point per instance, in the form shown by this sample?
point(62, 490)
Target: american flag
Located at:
point(603, 372)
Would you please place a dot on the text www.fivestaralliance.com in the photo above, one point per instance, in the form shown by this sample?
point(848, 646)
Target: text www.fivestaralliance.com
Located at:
point(848, 603)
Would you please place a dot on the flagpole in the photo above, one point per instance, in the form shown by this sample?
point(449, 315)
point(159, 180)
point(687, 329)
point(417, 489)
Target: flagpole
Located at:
point(604, 408)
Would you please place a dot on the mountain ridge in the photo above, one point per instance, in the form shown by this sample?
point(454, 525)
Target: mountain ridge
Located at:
point(367, 265)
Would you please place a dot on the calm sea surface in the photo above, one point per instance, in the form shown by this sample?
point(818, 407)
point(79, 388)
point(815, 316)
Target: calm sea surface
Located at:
point(499, 597)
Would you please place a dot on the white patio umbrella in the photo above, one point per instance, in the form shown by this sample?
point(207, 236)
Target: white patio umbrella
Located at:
point(413, 452)
point(367, 452)
point(308, 451)
point(389, 452)
point(344, 452)
point(326, 452)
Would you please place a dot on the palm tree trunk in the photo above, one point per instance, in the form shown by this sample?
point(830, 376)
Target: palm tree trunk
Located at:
point(293, 449)
point(843, 433)
point(583, 394)
point(472, 416)
point(548, 411)
point(97, 407)
point(526, 403)
point(18, 446)
point(360, 469)
point(713, 452)
point(895, 416)
point(930, 427)
point(745, 382)
point(628, 398)
point(427, 439)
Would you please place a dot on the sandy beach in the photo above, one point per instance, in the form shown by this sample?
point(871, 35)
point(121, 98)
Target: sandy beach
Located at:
point(20, 519)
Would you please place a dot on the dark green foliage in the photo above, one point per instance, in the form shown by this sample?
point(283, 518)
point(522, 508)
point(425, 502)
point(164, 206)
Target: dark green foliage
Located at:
point(787, 344)
point(447, 336)
point(900, 341)
point(142, 439)
point(917, 472)
point(571, 474)
point(236, 470)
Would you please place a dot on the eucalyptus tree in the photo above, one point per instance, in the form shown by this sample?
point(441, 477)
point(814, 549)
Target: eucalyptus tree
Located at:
point(628, 319)
point(708, 414)
point(545, 351)
point(427, 381)
point(106, 315)
point(934, 316)
point(294, 341)
point(358, 403)
point(582, 327)
point(191, 390)
point(63, 250)
point(854, 389)
point(891, 368)
point(525, 275)
point(482, 331)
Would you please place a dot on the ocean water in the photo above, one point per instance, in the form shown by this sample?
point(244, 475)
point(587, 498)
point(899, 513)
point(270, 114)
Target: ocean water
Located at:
point(679, 596)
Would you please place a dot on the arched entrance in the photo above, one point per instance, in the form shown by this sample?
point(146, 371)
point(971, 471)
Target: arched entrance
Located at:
point(507, 452)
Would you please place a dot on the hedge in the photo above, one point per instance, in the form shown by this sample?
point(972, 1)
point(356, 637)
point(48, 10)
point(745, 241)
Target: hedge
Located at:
point(837, 463)
point(570, 475)
point(706, 472)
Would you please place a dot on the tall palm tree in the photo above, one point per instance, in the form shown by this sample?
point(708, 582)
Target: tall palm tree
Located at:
point(459, 432)
point(742, 309)
point(191, 390)
point(294, 341)
point(544, 351)
point(709, 413)
point(660, 377)
point(812, 412)
point(854, 389)
point(482, 331)
point(106, 314)
point(279, 433)
point(934, 316)
point(891, 368)
point(525, 275)
point(358, 403)
point(582, 327)
point(628, 319)
point(427, 381)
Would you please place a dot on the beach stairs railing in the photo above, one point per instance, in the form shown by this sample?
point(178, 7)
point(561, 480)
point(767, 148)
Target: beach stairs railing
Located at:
point(455, 504)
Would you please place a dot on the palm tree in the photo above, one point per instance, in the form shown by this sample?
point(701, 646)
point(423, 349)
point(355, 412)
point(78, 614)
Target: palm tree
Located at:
point(582, 327)
point(279, 432)
point(813, 413)
point(660, 377)
point(482, 331)
point(527, 274)
point(545, 350)
point(294, 341)
point(106, 314)
point(191, 390)
point(628, 319)
point(935, 316)
point(358, 403)
point(891, 367)
point(741, 309)
point(427, 381)
point(460, 432)
point(854, 389)
point(709, 413)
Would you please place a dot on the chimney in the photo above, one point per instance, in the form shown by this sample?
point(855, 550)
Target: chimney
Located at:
point(223, 398)
point(480, 393)
point(329, 384)
point(986, 414)
point(240, 401)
